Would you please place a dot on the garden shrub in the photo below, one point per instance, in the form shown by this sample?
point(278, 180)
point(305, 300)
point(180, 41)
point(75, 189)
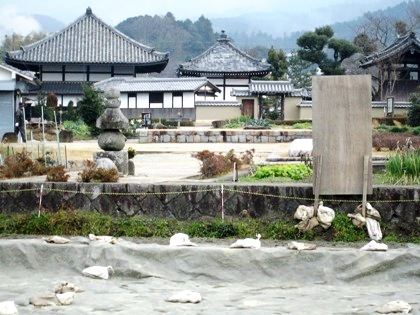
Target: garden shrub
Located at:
point(92, 174)
point(20, 164)
point(218, 164)
point(413, 115)
point(293, 171)
point(57, 174)
point(79, 128)
point(392, 140)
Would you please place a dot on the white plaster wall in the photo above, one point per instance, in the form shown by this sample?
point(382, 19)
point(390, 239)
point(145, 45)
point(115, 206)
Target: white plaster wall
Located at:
point(167, 100)
point(75, 76)
point(51, 77)
point(209, 113)
point(142, 100)
point(5, 74)
point(291, 109)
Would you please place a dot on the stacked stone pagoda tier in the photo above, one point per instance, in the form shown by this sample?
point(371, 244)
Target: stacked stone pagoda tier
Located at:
point(111, 139)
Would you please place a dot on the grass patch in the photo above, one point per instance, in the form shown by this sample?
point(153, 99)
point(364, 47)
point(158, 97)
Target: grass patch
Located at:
point(404, 167)
point(74, 223)
point(293, 171)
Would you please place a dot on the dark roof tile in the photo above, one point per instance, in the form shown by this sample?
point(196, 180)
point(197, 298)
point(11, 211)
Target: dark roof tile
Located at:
point(88, 40)
point(60, 88)
point(399, 47)
point(224, 57)
point(129, 84)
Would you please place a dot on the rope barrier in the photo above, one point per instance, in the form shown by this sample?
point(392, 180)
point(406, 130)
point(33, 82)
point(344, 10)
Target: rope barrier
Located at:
point(224, 190)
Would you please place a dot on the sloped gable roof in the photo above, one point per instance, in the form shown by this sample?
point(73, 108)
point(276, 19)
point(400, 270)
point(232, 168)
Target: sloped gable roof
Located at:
point(264, 87)
point(129, 84)
point(224, 58)
point(217, 103)
point(28, 75)
point(87, 41)
point(270, 87)
point(400, 46)
point(59, 88)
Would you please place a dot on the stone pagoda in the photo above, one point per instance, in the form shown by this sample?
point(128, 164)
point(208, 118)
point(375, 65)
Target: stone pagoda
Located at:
point(111, 139)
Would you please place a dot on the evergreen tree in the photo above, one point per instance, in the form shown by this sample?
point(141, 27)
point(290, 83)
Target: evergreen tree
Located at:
point(414, 111)
point(365, 45)
point(278, 61)
point(90, 107)
point(300, 71)
point(314, 47)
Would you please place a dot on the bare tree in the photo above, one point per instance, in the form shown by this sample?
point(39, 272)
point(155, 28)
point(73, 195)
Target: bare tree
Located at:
point(387, 75)
point(378, 28)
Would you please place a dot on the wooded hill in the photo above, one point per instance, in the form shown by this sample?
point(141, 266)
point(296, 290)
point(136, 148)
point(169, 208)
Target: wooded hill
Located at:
point(187, 39)
point(182, 39)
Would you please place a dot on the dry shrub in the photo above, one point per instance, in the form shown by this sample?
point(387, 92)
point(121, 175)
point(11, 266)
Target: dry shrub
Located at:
point(218, 164)
point(92, 174)
point(57, 174)
point(20, 165)
point(393, 141)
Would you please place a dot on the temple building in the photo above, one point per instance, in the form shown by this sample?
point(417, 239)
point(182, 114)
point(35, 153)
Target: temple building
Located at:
point(86, 51)
point(228, 68)
point(13, 83)
point(396, 73)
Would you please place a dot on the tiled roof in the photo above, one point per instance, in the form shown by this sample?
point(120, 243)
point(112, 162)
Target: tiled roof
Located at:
point(129, 84)
point(224, 58)
point(270, 87)
point(87, 41)
point(217, 103)
point(29, 75)
point(303, 92)
point(240, 92)
point(60, 88)
point(382, 104)
point(308, 103)
point(401, 46)
point(267, 88)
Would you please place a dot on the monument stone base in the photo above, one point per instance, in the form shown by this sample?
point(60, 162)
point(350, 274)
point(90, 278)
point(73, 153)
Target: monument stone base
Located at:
point(120, 159)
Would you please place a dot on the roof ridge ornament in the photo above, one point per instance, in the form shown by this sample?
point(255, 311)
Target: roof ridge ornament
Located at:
point(223, 37)
point(88, 11)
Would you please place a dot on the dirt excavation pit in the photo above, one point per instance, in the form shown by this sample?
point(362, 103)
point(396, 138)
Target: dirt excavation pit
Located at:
point(269, 280)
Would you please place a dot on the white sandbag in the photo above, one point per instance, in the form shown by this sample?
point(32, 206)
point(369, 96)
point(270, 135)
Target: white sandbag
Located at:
point(325, 215)
point(247, 243)
point(185, 297)
point(371, 212)
point(103, 238)
point(65, 286)
point(304, 212)
point(65, 298)
point(357, 219)
point(395, 307)
point(181, 239)
point(56, 239)
point(307, 225)
point(8, 308)
point(300, 147)
point(98, 272)
point(47, 299)
point(374, 246)
point(300, 246)
point(374, 229)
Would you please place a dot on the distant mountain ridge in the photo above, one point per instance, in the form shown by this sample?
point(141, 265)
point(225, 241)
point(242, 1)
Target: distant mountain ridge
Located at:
point(248, 31)
point(48, 24)
point(267, 29)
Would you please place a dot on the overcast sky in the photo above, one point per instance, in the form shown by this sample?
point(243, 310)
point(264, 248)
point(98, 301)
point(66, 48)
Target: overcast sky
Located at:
point(15, 14)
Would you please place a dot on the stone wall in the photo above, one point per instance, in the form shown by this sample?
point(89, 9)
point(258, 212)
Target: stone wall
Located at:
point(221, 135)
point(399, 205)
